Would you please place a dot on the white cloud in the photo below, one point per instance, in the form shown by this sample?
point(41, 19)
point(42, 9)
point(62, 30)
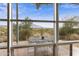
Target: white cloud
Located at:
point(70, 6)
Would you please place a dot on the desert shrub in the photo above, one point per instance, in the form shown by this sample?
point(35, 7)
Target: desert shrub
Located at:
point(24, 30)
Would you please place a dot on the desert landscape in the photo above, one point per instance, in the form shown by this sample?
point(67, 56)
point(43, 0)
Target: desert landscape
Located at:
point(34, 24)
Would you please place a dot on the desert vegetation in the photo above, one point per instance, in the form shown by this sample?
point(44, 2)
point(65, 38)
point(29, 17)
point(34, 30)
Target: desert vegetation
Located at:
point(3, 34)
point(26, 31)
point(66, 32)
point(70, 29)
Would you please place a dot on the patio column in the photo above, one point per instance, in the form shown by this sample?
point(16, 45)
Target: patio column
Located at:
point(55, 47)
point(8, 29)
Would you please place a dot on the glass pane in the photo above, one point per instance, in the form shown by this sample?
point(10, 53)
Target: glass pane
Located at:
point(3, 11)
point(44, 12)
point(33, 32)
point(67, 11)
point(68, 31)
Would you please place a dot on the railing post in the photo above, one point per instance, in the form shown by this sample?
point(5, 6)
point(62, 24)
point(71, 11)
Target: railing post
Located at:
point(35, 51)
point(71, 49)
point(12, 51)
point(55, 50)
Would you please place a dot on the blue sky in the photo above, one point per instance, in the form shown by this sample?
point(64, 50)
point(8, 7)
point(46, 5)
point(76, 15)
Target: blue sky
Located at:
point(68, 10)
point(29, 10)
point(3, 11)
point(45, 12)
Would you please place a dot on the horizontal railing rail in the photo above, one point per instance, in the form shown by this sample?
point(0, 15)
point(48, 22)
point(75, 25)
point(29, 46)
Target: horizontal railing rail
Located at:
point(41, 21)
point(37, 45)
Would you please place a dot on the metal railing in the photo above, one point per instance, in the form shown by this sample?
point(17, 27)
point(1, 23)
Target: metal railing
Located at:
point(42, 45)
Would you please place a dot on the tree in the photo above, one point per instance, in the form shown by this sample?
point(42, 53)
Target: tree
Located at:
point(67, 28)
point(24, 29)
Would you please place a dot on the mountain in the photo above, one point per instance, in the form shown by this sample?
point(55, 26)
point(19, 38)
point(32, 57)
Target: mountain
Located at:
point(36, 26)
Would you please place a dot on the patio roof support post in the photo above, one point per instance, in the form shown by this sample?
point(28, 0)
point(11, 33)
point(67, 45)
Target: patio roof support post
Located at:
point(12, 51)
point(11, 31)
point(55, 47)
point(8, 29)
